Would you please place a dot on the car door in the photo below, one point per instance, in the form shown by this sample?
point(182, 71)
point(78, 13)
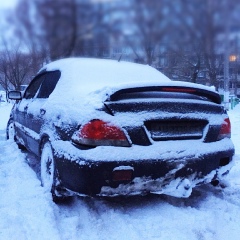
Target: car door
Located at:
point(21, 108)
point(35, 115)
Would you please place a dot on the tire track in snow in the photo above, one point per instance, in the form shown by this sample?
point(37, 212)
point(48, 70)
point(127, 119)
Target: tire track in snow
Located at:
point(26, 213)
point(93, 218)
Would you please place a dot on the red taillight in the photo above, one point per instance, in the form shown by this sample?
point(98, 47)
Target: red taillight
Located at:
point(98, 132)
point(225, 130)
point(179, 89)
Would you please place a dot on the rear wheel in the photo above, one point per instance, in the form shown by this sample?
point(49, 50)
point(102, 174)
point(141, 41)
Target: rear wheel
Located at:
point(48, 173)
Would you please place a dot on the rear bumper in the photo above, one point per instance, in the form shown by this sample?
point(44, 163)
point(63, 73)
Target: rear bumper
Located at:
point(169, 171)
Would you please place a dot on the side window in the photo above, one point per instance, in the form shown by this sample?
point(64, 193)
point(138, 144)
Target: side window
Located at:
point(48, 84)
point(34, 86)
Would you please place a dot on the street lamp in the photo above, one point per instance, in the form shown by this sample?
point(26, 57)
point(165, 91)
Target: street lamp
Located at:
point(232, 58)
point(226, 57)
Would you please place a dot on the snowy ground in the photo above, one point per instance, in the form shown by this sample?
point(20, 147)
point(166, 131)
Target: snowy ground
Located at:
point(26, 211)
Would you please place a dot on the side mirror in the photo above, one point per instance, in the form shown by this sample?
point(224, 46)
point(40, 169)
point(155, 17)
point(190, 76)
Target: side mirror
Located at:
point(15, 95)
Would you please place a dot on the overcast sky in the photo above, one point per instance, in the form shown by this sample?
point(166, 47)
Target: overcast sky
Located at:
point(7, 3)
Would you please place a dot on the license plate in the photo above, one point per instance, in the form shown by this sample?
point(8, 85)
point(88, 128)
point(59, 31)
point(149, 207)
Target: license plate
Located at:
point(170, 130)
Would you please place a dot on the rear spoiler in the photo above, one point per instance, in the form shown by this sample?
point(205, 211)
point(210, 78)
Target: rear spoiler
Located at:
point(211, 95)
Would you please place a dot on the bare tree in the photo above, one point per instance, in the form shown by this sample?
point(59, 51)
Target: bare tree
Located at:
point(59, 29)
point(57, 26)
point(197, 46)
point(16, 68)
point(148, 25)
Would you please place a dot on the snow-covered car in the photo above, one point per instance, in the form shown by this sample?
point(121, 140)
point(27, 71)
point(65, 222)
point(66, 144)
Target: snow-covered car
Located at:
point(107, 128)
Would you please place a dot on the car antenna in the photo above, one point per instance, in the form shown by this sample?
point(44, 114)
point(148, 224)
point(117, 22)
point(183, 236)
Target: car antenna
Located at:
point(120, 58)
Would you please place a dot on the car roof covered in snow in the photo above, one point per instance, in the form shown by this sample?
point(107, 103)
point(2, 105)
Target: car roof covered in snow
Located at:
point(82, 76)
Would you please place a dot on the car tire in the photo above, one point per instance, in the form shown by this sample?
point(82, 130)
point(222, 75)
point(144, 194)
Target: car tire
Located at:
point(11, 134)
point(49, 178)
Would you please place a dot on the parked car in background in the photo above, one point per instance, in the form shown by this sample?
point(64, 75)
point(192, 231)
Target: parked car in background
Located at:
point(2, 96)
point(107, 128)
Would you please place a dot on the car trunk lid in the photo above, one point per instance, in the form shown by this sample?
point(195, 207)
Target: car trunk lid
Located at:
point(167, 113)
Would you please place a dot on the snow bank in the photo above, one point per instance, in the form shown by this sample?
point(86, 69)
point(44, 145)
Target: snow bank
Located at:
point(4, 114)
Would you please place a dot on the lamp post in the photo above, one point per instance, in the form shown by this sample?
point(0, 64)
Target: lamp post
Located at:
point(226, 57)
